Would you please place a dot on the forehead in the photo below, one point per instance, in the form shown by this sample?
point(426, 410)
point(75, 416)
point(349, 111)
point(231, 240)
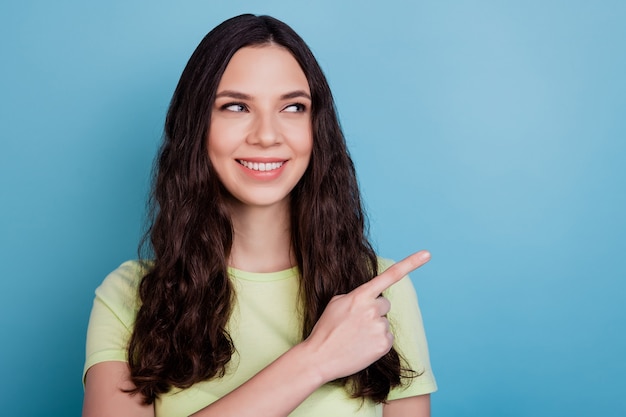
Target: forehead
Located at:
point(263, 69)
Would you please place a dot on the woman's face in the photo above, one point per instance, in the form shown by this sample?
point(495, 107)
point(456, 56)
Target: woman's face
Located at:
point(260, 138)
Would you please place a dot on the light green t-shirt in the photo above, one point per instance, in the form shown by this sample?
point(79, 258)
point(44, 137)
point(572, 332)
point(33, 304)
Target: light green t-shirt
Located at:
point(265, 323)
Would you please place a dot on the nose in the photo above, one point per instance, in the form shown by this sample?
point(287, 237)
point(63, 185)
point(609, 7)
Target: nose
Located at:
point(266, 131)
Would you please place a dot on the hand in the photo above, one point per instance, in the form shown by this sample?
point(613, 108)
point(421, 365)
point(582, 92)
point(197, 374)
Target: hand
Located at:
point(353, 331)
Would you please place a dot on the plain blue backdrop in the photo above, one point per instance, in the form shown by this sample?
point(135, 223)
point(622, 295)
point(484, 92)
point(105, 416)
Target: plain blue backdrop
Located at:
point(492, 133)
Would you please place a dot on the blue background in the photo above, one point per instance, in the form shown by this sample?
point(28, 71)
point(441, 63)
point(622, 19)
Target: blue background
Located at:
point(490, 132)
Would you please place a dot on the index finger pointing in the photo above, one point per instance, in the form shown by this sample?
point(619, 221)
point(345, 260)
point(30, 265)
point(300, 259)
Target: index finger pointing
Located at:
point(395, 273)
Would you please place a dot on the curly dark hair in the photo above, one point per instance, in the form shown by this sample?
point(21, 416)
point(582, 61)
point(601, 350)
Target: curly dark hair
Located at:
point(180, 335)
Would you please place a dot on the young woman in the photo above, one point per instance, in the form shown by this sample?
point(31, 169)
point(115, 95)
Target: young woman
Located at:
point(263, 295)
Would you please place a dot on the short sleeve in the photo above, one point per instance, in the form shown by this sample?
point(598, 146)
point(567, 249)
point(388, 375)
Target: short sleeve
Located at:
point(410, 339)
point(113, 315)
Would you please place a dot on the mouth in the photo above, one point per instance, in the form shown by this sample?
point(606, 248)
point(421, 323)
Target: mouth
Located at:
point(261, 166)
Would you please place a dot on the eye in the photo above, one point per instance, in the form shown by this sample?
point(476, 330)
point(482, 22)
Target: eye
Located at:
point(234, 107)
point(295, 108)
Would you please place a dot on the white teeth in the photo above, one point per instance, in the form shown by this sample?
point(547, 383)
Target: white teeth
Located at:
point(261, 166)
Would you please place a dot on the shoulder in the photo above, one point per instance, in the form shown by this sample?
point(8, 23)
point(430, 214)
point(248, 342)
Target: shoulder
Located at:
point(119, 290)
point(113, 314)
point(410, 339)
point(384, 263)
point(402, 289)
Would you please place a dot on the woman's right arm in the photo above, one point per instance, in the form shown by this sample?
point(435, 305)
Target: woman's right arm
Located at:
point(276, 390)
point(104, 397)
point(352, 333)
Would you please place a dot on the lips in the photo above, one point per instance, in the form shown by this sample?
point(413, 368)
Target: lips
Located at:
point(261, 166)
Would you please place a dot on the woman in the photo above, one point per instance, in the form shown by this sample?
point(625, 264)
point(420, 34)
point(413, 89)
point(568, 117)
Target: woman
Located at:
point(263, 295)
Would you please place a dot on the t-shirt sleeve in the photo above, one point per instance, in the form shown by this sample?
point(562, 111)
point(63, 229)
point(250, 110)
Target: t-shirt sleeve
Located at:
point(113, 315)
point(410, 339)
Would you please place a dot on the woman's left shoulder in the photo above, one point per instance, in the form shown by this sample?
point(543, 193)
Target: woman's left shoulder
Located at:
point(383, 263)
point(404, 285)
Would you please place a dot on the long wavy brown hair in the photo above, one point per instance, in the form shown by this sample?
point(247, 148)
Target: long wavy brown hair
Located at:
point(180, 335)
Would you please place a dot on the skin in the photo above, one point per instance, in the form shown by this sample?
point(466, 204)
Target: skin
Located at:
point(262, 113)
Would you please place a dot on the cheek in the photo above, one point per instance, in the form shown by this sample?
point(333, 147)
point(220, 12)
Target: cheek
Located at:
point(307, 144)
point(220, 140)
point(301, 137)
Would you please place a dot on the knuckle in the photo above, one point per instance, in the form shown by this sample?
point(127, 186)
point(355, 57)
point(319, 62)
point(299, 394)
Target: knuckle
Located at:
point(384, 345)
point(382, 326)
point(371, 312)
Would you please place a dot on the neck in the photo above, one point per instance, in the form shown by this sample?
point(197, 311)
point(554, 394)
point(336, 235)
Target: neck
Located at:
point(262, 238)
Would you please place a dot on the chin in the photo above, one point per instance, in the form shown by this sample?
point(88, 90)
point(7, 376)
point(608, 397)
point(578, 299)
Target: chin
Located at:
point(261, 200)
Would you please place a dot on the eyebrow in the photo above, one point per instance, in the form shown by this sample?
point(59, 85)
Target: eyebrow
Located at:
point(242, 96)
point(296, 94)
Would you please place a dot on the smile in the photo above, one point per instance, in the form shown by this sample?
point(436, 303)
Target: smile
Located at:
point(261, 166)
